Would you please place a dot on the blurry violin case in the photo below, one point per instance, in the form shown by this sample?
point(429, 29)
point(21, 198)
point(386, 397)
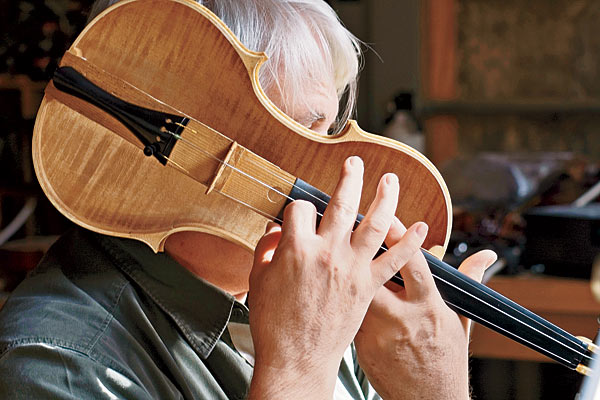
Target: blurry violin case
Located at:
point(562, 240)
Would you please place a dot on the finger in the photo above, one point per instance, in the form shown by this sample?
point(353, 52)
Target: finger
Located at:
point(397, 230)
point(340, 214)
point(266, 246)
point(419, 283)
point(399, 255)
point(373, 229)
point(299, 218)
point(418, 280)
point(475, 265)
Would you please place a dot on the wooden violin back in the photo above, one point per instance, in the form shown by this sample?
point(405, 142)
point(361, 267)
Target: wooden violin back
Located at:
point(176, 56)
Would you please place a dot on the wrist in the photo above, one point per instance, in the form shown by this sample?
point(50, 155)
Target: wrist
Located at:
point(298, 380)
point(397, 377)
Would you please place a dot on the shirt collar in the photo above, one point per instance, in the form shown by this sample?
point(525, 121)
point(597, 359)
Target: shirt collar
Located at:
point(200, 309)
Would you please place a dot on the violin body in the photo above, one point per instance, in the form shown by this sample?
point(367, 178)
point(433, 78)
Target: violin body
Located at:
point(175, 56)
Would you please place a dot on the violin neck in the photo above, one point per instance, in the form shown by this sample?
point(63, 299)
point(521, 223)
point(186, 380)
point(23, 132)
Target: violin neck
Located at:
point(484, 305)
point(493, 310)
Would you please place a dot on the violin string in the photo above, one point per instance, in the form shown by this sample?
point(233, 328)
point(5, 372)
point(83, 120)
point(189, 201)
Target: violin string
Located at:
point(250, 206)
point(540, 348)
point(464, 281)
point(243, 173)
point(253, 208)
point(557, 330)
point(518, 320)
point(282, 179)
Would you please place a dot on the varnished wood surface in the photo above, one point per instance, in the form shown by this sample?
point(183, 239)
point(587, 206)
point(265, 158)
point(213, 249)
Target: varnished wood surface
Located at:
point(176, 53)
point(568, 303)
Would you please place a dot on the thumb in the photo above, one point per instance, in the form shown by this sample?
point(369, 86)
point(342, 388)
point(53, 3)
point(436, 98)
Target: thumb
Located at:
point(474, 266)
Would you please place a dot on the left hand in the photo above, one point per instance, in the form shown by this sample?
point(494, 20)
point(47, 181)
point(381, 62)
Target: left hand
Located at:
point(310, 287)
point(410, 344)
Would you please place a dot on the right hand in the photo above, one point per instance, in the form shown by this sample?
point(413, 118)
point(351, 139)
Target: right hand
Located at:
point(310, 288)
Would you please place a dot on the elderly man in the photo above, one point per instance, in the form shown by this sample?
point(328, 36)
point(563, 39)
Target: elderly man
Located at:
point(104, 317)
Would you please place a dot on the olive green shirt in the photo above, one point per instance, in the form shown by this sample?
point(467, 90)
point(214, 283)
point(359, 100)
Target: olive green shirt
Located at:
point(107, 318)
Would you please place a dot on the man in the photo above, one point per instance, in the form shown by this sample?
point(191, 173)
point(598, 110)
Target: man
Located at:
point(107, 318)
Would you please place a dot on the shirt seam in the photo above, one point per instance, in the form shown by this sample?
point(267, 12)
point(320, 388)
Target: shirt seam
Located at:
point(109, 317)
point(204, 348)
point(129, 266)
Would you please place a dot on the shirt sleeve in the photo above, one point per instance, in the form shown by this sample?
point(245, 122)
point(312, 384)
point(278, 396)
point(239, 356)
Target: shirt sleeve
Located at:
point(40, 371)
point(367, 389)
point(352, 378)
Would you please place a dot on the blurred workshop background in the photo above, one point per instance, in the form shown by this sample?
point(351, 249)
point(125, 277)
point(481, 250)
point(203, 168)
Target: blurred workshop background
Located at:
point(502, 96)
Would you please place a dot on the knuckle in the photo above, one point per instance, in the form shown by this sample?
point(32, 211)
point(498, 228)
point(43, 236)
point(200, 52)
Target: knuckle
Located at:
point(327, 257)
point(342, 209)
point(301, 206)
point(416, 276)
point(397, 260)
point(305, 205)
point(376, 227)
point(295, 244)
point(298, 208)
point(394, 265)
point(413, 242)
point(293, 253)
point(390, 271)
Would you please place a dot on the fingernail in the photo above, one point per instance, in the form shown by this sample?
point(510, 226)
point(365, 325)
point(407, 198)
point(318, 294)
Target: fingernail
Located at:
point(422, 229)
point(391, 178)
point(492, 260)
point(355, 161)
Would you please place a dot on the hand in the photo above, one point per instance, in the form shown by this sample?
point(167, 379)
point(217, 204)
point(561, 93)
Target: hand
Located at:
point(310, 288)
point(411, 345)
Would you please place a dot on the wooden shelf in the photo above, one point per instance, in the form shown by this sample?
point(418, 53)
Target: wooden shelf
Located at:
point(513, 107)
point(29, 190)
point(31, 92)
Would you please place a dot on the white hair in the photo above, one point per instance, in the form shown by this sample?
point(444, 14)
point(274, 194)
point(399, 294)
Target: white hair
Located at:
point(305, 41)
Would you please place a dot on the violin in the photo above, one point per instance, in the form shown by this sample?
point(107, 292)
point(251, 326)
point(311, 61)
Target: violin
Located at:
point(156, 123)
